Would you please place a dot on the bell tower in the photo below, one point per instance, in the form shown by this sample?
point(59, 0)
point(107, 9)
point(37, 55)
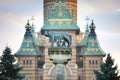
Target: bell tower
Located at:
point(70, 4)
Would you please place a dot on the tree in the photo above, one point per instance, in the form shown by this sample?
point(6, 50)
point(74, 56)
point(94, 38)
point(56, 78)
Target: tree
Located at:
point(9, 70)
point(108, 70)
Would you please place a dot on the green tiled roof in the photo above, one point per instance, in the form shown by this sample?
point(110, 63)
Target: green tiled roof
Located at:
point(35, 39)
point(85, 39)
point(28, 44)
point(57, 26)
point(91, 43)
point(92, 48)
point(60, 19)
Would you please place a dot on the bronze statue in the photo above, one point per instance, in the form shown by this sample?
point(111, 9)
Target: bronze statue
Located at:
point(61, 38)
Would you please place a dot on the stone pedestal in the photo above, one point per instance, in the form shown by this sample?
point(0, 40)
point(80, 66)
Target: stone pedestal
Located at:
point(60, 57)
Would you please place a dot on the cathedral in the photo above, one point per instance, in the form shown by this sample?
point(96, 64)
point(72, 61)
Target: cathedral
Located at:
point(60, 16)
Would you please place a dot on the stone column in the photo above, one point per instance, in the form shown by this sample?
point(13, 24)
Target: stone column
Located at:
point(60, 57)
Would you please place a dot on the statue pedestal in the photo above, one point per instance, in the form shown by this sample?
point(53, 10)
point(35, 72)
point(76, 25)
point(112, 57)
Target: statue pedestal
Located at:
point(60, 57)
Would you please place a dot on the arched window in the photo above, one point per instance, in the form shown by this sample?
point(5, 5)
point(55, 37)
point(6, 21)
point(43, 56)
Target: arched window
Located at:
point(92, 62)
point(27, 62)
point(30, 62)
point(96, 62)
point(24, 62)
point(89, 62)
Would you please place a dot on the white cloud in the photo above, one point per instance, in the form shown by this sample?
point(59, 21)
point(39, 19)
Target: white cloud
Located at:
point(18, 2)
point(117, 10)
point(98, 6)
point(10, 19)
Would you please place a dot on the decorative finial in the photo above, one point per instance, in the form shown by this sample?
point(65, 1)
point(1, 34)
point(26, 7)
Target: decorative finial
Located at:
point(92, 24)
point(28, 29)
point(92, 30)
point(28, 25)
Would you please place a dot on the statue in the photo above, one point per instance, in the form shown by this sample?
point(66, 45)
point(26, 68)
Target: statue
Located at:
point(58, 43)
point(59, 53)
point(61, 38)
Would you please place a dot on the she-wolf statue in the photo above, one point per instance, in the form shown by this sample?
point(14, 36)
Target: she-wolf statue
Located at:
point(57, 36)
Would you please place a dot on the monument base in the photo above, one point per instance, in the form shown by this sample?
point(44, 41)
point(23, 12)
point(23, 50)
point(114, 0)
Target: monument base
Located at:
point(60, 57)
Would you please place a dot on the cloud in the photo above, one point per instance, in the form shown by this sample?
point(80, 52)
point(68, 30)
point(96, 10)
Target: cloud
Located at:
point(19, 2)
point(12, 30)
point(10, 39)
point(10, 22)
point(117, 10)
point(21, 6)
point(98, 6)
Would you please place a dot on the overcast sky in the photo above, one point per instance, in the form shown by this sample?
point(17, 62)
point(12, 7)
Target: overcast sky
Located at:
point(106, 15)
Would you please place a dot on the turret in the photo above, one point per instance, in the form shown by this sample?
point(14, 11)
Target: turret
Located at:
point(92, 43)
point(28, 44)
point(91, 53)
point(59, 19)
point(28, 55)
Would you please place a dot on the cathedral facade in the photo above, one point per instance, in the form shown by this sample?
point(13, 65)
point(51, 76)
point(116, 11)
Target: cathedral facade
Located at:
point(87, 54)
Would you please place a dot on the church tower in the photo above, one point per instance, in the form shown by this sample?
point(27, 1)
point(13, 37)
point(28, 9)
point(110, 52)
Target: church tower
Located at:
point(60, 20)
point(91, 54)
point(28, 54)
point(71, 6)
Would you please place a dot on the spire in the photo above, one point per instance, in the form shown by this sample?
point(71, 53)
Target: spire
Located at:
point(92, 43)
point(35, 39)
point(28, 44)
point(87, 20)
point(28, 27)
point(85, 39)
point(92, 30)
point(33, 29)
point(28, 30)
